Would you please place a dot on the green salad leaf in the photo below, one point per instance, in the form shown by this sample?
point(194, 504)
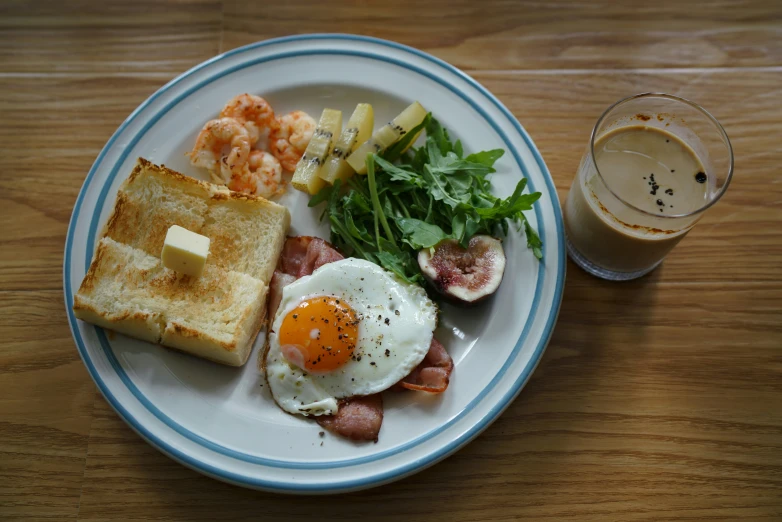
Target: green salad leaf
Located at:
point(420, 234)
point(414, 197)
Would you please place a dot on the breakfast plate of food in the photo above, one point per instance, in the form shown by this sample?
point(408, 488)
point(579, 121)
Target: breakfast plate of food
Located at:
point(315, 264)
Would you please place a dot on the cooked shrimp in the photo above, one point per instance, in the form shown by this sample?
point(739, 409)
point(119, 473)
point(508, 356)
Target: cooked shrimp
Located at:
point(224, 141)
point(253, 112)
point(290, 140)
point(261, 176)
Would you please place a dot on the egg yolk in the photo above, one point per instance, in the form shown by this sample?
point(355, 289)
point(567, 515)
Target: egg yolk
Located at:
point(319, 335)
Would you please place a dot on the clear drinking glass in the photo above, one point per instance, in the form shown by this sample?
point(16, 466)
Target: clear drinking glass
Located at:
point(654, 164)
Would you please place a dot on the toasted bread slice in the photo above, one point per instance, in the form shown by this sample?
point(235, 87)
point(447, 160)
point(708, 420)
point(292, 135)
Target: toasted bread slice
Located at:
point(114, 294)
point(153, 199)
point(216, 316)
point(130, 291)
point(246, 232)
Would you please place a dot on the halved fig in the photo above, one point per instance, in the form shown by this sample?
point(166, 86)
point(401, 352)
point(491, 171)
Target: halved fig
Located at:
point(466, 275)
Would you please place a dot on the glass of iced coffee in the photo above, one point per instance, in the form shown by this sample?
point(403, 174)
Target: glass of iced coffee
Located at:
point(654, 164)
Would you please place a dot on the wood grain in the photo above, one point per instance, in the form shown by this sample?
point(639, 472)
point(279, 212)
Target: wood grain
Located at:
point(45, 409)
point(507, 34)
point(38, 185)
point(109, 37)
point(659, 399)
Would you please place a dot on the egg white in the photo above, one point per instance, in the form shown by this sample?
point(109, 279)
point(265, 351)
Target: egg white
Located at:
point(396, 324)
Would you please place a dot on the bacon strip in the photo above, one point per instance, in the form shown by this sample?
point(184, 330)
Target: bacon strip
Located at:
point(302, 255)
point(294, 252)
point(279, 281)
point(434, 372)
point(320, 253)
point(358, 418)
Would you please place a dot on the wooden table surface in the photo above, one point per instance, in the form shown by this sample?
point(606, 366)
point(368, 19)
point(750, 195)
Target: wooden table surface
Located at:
point(659, 399)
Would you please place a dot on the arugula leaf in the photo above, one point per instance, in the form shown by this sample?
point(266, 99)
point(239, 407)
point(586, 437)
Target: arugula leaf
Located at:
point(515, 204)
point(400, 205)
point(471, 226)
point(458, 149)
point(452, 165)
point(429, 208)
point(460, 184)
point(504, 227)
point(450, 162)
point(533, 240)
point(420, 158)
point(342, 233)
point(356, 202)
point(486, 157)
point(398, 173)
point(483, 200)
point(457, 227)
point(434, 155)
point(334, 196)
point(376, 201)
point(438, 137)
point(419, 234)
point(357, 230)
point(359, 184)
point(323, 195)
point(393, 263)
point(438, 185)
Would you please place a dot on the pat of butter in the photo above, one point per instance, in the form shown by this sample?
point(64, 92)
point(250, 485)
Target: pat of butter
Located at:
point(185, 251)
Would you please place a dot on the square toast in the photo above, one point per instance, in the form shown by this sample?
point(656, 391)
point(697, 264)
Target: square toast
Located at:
point(216, 316)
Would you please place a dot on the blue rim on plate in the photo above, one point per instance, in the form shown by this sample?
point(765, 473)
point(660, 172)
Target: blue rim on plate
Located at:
point(293, 486)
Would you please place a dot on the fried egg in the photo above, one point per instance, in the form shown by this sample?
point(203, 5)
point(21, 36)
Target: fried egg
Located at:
point(351, 328)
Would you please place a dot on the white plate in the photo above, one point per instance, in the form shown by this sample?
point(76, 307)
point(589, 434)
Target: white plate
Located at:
point(219, 420)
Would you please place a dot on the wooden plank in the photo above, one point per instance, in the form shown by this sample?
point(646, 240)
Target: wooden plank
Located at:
point(45, 409)
point(73, 117)
point(661, 403)
point(111, 36)
point(502, 34)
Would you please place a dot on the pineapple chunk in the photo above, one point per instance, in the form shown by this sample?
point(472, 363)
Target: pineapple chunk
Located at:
point(357, 130)
point(306, 178)
point(387, 135)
